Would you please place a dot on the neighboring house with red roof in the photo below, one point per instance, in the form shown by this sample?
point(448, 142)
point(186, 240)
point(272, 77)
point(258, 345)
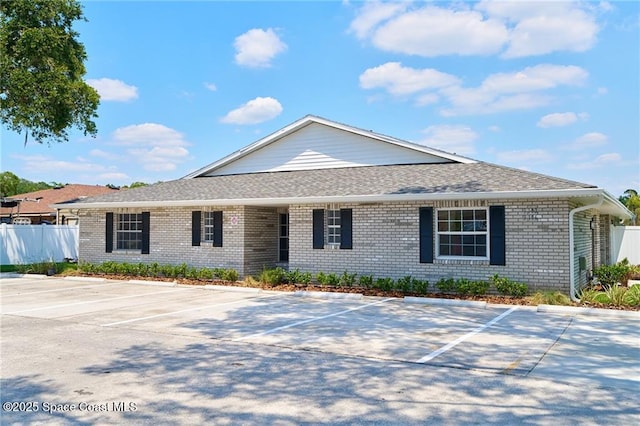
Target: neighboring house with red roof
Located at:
point(323, 196)
point(36, 207)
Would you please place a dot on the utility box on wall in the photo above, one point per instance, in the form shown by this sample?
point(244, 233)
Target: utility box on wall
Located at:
point(582, 262)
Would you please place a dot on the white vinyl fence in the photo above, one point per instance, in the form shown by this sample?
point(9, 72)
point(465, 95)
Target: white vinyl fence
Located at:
point(625, 242)
point(22, 244)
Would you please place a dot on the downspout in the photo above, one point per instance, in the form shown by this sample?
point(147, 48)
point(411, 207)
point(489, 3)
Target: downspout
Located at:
point(572, 278)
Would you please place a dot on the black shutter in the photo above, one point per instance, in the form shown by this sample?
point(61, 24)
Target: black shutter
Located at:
point(318, 228)
point(497, 235)
point(108, 233)
point(146, 222)
point(426, 234)
point(217, 229)
point(196, 227)
point(346, 229)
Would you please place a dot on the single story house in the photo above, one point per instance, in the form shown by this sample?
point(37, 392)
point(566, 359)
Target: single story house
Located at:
point(318, 195)
point(35, 207)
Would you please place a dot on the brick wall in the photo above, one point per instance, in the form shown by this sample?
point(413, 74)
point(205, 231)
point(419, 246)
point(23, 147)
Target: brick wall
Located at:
point(385, 241)
point(386, 244)
point(170, 239)
point(261, 239)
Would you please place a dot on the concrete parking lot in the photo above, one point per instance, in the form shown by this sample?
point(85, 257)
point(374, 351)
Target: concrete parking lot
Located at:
point(81, 351)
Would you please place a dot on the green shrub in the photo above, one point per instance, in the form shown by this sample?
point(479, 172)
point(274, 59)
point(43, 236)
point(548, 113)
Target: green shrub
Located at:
point(327, 279)
point(273, 276)
point(333, 279)
point(385, 284)
point(446, 285)
point(205, 274)
point(632, 298)
point(297, 277)
point(507, 287)
point(229, 274)
point(609, 275)
point(365, 281)
point(321, 277)
point(405, 284)
point(466, 287)
point(421, 286)
point(347, 280)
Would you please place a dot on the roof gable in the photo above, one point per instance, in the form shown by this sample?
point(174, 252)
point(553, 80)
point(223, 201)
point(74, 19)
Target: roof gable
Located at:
point(314, 143)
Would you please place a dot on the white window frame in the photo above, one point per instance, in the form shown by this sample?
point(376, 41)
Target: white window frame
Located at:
point(333, 227)
point(462, 232)
point(208, 228)
point(120, 233)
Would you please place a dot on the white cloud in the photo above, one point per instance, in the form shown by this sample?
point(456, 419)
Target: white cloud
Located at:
point(540, 28)
point(434, 31)
point(589, 140)
point(255, 111)
point(257, 47)
point(525, 156)
point(371, 14)
point(498, 92)
point(512, 91)
point(113, 90)
point(451, 138)
point(558, 119)
point(604, 160)
point(114, 177)
point(211, 86)
point(399, 80)
point(99, 153)
point(512, 29)
point(45, 165)
point(155, 146)
point(538, 77)
point(495, 128)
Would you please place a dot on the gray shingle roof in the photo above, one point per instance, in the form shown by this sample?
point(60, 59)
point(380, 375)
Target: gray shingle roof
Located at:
point(451, 178)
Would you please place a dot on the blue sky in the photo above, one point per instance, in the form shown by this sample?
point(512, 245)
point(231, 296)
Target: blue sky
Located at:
point(550, 87)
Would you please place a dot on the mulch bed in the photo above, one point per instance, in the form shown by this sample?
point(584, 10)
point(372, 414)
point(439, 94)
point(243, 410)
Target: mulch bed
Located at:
point(492, 299)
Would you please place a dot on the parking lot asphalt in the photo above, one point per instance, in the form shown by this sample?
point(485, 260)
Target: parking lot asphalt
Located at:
point(82, 351)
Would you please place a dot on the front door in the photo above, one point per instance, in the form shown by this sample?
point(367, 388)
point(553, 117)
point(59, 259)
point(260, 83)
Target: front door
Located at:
point(283, 237)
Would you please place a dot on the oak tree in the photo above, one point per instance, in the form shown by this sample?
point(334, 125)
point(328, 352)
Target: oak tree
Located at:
point(42, 91)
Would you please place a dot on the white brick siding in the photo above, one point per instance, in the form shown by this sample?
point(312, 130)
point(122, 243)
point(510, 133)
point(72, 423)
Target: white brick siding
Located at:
point(385, 241)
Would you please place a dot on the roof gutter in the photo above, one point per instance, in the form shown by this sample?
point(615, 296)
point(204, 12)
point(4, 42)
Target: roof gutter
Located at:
point(572, 278)
point(376, 198)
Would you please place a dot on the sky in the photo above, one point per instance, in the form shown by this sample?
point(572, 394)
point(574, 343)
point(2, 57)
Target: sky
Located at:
point(549, 86)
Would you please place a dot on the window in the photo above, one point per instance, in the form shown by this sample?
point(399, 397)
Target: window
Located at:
point(208, 226)
point(336, 231)
point(333, 227)
point(129, 231)
point(462, 233)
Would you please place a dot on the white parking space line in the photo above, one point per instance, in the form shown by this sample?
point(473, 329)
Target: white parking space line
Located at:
point(184, 310)
point(459, 340)
point(284, 327)
point(56, 289)
point(44, 308)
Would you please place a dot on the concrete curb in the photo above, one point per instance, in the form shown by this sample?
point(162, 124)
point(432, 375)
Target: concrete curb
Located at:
point(91, 279)
point(576, 310)
point(447, 302)
point(328, 295)
point(154, 283)
point(16, 275)
point(233, 288)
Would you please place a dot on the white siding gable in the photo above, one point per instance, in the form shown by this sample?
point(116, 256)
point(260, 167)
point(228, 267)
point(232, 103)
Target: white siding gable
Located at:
point(317, 146)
